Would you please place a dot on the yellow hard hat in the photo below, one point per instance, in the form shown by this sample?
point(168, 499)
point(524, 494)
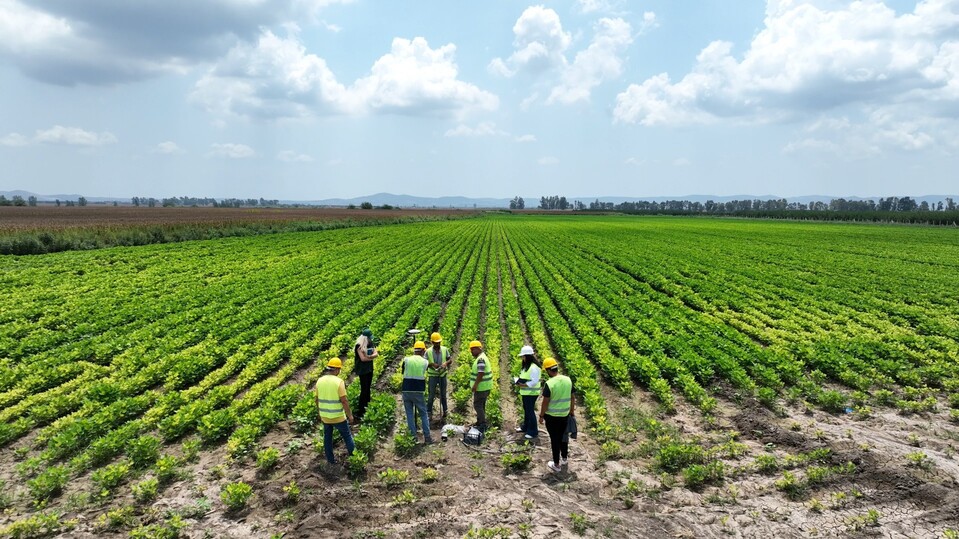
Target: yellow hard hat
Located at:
point(419, 346)
point(476, 344)
point(550, 363)
point(334, 363)
point(436, 337)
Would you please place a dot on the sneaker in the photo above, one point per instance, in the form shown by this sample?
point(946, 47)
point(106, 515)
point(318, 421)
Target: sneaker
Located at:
point(531, 437)
point(520, 429)
point(554, 468)
point(563, 462)
point(428, 441)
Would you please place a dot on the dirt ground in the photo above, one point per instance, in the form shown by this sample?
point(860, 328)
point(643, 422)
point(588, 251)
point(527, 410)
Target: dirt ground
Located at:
point(601, 494)
point(51, 218)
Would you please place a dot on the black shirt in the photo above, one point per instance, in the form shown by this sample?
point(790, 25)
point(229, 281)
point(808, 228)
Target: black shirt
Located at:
point(361, 367)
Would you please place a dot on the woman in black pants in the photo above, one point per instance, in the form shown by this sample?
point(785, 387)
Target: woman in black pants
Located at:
point(558, 407)
point(363, 354)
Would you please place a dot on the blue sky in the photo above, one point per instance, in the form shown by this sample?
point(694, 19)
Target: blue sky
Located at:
point(310, 99)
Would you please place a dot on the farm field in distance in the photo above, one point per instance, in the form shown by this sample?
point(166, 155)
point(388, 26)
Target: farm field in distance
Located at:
point(734, 378)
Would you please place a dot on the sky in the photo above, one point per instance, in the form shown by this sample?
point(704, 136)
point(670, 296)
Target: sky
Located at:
point(313, 99)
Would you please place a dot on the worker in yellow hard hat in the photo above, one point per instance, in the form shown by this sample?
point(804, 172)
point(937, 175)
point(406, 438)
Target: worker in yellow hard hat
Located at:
point(438, 357)
point(414, 385)
point(482, 380)
point(558, 406)
point(334, 409)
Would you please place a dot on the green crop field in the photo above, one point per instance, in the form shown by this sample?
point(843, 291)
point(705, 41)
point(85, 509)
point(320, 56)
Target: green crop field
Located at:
point(122, 369)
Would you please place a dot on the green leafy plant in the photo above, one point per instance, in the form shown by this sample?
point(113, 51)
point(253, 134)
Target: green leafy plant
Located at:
point(115, 519)
point(430, 475)
point(267, 459)
point(580, 523)
point(147, 490)
point(169, 529)
point(356, 463)
point(516, 462)
point(394, 478)
point(404, 444)
point(236, 495)
point(143, 451)
point(110, 477)
point(404, 498)
point(167, 468)
point(292, 492)
point(49, 483)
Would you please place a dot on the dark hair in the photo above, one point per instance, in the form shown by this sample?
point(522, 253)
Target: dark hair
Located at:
point(530, 359)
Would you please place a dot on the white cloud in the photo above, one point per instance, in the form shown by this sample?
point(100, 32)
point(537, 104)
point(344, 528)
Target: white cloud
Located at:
point(14, 139)
point(273, 78)
point(634, 161)
point(592, 6)
point(232, 151)
point(278, 78)
point(540, 47)
point(484, 129)
point(105, 41)
point(73, 136)
point(601, 61)
point(289, 156)
point(649, 22)
point(547, 161)
point(168, 148)
point(681, 162)
point(525, 138)
point(810, 57)
point(540, 44)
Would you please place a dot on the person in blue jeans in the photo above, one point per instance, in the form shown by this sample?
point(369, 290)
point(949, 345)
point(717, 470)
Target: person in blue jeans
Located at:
point(334, 409)
point(414, 386)
point(529, 386)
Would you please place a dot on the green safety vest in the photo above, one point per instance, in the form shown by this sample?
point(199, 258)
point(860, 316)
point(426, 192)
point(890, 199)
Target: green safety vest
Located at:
point(328, 393)
point(560, 391)
point(434, 360)
point(486, 383)
point(414, 374)
point(527, 391)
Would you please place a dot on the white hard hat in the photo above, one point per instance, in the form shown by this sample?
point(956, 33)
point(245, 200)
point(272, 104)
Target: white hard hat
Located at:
point(526, 351)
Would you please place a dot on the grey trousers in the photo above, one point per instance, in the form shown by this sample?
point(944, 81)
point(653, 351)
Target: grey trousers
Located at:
point(436, 382)
point(479, 404)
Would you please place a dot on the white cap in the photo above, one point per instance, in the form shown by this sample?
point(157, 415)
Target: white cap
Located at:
point(526, 351)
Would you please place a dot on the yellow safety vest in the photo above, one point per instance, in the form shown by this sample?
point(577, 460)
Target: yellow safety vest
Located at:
point(436, 360)
point(486, 382)
point(527, 391)
point(560, 391)
point(328, 393)
point(414, 374)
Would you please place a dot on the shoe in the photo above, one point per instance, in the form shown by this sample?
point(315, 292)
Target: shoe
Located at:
point(520, 429)
point(428, 441)
point(563, 462)
point(531, 437)
point(554, 468)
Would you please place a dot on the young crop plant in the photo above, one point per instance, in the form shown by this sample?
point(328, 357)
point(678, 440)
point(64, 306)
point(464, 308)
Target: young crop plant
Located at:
point(267, 459)
point(236, 495)
point(110, 477)
point(393, 478)
point(516, 462)
point(147, 490)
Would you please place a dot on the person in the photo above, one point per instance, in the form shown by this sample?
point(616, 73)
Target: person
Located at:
point(528, 385)
point(414, 385)
point(558, 406)
point(482, 377)
point(363, 354)
point(439, 360)
point(333, 408)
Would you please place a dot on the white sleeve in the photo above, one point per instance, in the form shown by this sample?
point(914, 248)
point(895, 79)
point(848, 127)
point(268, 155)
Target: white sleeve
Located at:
point(533, 376)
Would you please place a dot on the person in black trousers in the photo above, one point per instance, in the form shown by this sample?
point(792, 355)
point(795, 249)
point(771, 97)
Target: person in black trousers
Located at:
point(558, 407)
point(363, 354)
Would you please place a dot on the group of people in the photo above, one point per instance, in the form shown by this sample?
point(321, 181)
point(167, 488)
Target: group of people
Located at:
point(425, 376)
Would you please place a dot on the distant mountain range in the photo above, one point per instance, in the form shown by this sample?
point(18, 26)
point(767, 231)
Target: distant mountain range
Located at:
point(410, 201)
